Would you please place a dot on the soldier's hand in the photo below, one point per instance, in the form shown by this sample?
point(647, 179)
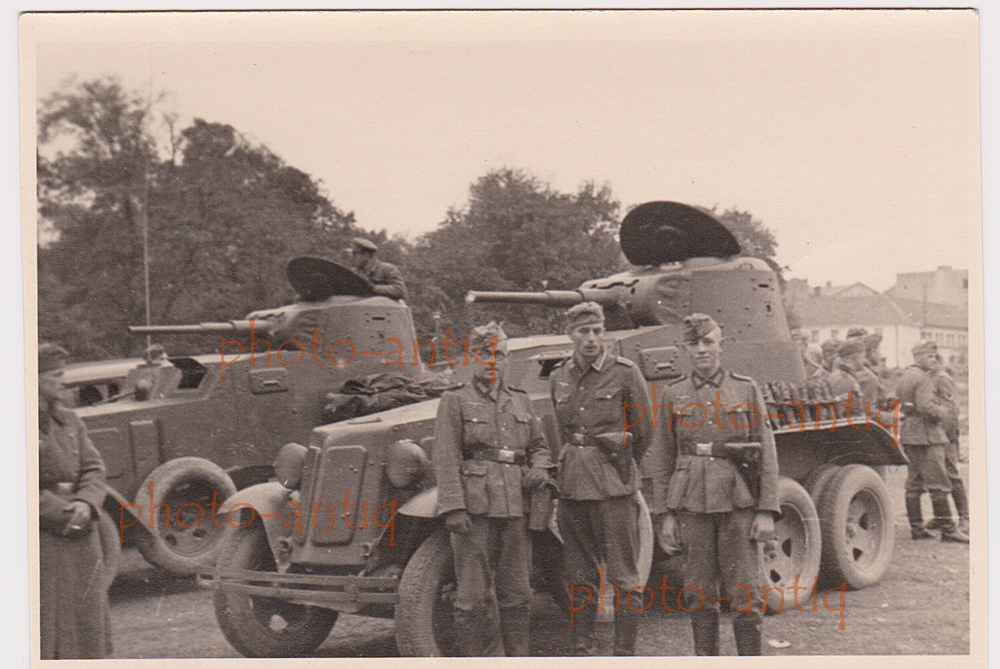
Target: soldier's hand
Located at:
point(763, 527)
point(669, 534)
point(79, 517)
point(458, 521)
point(534, 478)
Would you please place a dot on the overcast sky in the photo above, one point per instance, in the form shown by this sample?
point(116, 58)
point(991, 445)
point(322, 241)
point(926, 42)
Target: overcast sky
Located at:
point(853, 136)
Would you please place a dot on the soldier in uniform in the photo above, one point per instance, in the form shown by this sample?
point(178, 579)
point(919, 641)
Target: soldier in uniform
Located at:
point(598, 475)
point(925, 444)
point(384, 276)
point(812, 358)
point(488, 448)
point(868, 378)
point(73, 580)
point(715, 487)
point(946, 389)
point(844, 383)
point(829, 348)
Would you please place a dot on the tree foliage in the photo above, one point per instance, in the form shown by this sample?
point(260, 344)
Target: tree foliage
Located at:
point(515, 233)
point(222, 215)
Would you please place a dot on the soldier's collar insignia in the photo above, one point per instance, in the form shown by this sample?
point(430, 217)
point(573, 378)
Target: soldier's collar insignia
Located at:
point(714, 380)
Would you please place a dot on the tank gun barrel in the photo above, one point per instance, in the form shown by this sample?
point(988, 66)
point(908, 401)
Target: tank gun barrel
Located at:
point(202, 328)
point(555, 298)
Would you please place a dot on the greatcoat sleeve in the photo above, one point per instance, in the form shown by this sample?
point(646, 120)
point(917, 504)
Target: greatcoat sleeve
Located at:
point(390, 282)
point(91, 487)
point(448, 453)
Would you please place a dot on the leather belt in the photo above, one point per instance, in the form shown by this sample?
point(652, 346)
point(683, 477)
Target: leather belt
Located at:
point(502, 455)
point(709, 450)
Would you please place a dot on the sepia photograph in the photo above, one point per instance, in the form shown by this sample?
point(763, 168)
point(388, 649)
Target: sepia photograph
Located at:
point(547, 334)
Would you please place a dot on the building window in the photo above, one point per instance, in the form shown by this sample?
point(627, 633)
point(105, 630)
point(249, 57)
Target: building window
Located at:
point(814, 336)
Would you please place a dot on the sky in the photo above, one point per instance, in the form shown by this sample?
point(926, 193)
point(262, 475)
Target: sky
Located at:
point(852, 136)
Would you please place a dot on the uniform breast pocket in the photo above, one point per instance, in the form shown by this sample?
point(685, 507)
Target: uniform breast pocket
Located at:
point(477, 430)
point(522, 425)
point(691, 416)
point(741, 419)
point(477, 499)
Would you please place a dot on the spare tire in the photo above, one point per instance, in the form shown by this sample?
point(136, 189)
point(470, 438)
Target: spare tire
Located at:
point(187, 535)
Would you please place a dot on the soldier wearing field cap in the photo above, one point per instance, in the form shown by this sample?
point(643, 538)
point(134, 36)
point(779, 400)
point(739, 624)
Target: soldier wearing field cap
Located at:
point(384, 277)
point(592, 392)
point(925, 442)
point(843, 379)
point(73, 577)
point(489, 451)
point(715, 487)
point(861, 369)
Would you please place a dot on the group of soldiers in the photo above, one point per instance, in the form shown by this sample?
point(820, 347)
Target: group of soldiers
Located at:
point(490, 453)
point(929, 433)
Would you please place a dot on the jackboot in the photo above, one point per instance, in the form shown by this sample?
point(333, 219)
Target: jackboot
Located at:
point(705, 628)
point(477, 633)
point(961, 505)
point(942, 513)
point(916, 518)
point(626, 630)
point(515, 627)
point(583, 631)
point(746, 629)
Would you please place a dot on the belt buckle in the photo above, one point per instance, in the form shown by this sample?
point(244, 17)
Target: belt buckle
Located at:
point(703, 449)
point(506, 455)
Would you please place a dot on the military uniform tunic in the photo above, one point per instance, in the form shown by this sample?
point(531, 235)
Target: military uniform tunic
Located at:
point(386, 278)
point(492, 560)
point(922, 433)
point(692, 477)
point(73, 579)
point(598, 510)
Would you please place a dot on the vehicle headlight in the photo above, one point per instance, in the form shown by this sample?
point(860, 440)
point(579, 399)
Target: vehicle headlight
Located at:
point(288, 465)
point(406, 464)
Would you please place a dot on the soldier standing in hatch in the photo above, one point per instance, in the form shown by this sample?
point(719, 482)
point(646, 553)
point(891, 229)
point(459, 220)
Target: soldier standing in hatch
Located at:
point(384, 277)
point(715, 481)
point(488, 450)
point(598, 475)
point(925, 444)
point(73, 587)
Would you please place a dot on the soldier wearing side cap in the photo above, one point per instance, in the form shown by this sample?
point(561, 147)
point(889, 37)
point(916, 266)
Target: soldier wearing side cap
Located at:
point(829, 349)
point(73, 577)
point(384, 277)
point(843, 380)
point(598, 476)
point(489, 451)
point(715, 481)
point(924, 440)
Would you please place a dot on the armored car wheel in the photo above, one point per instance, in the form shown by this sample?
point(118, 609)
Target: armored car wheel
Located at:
point(263, 626)
point(178, 496)
point(424, 622)
point(858, 533)
point(795, 554)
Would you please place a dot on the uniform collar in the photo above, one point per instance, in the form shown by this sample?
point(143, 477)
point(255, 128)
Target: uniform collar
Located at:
point(597, 365)
point(484, 387)
point(714, 380)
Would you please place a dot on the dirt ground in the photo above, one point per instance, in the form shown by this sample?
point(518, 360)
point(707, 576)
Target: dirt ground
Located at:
point(921, 607)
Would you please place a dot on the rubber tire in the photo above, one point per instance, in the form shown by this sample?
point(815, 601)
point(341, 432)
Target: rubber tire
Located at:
point(799, 546)
point(841, 563)
point(242, 617)
point(817, 480)
point(155, 543)
point(424, 623)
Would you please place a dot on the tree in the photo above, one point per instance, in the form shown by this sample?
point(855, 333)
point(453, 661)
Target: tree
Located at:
point(515, 233)
point(222, 214)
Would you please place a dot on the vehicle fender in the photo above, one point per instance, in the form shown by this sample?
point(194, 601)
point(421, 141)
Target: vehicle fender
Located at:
point(263, 503)
point(422, 505)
